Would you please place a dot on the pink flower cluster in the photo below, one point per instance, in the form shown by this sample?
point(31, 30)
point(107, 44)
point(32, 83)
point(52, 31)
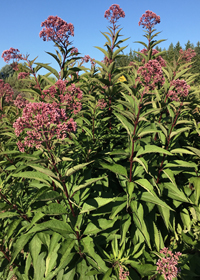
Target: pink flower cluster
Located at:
point(74, 51)
point(67, 96)
point(187, 55)
point(148, 20)
point(101, 104)
point(167, 264)
point(158, 58)
point(12, 53)
point(150, 75)
point(20, 102)
point(22, 75)
point(42, 122)
point(123, 274)
point(56, 30)
point(6, 91)
point(181, 90)
point(86, 58)
point(114, 13)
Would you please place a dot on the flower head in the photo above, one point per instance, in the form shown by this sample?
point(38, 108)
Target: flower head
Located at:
point(114, 13)
point(69, 96)
point(41, 122)
point(12, 53)
point(158, 58)
point(187, 55)
point(20, 102)
point(180, 90)
point(148, 20)
point(56, 30)
point(150, 75)
point(22, 75)
point(6, 91)
point(167, 264)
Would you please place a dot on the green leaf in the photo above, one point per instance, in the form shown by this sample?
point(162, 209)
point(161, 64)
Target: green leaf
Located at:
point(103, 51)
point(60, 227)
point(88, 245)
point(87, 183)
point(147, 131)
point(52, 253)
point(126, 222)
point(152, 149)
point(146, 185)
point(148, 197)
point(95, 203)
point(12, 227)
point(77, 167)
point(127, 125)
point(117, 51)
point(46, 171)
point(4, 215)
point(181, 151)
point(196, 183)
point(116, 168)
point(35, 247)
point(19, 245)
point(179, 131)
point(52, 70)
point(52, 209)
point(33, 175)
point(174, 193)
point(95, 227)
point(55, 57)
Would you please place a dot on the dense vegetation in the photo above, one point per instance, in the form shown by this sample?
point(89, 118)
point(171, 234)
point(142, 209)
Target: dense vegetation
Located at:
point(99, 166)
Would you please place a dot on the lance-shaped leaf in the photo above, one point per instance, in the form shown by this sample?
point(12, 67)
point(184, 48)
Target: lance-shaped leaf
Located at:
point(46, 171)
point(118, 51)
point(33, 175)
point(95, 203)
point(77, 167)
point(103, 51)
point(126, 124)
point(99, 225)
point(55, 57)
point(115, 168)
point(148, 197)
point(60, 227)
point(102, 65)
point(87, 183)
point(148, 149)
point(52, 209)
point(195, 181)
point(51, 69)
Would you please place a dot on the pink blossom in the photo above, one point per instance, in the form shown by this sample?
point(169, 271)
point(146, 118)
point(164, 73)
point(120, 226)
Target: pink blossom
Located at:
point(22, 75)
point(69, 96)
point(187, 55)
point(101, 104)
point(167, 265)
point(86, 58)
point(181, 90)
point(12, 53)
point(74, 51)
point(6, 92)
point(158, 58)
point(148, 20)
point(41, 122)
point(114, 13)
point(122, 273)
point(20, 102)
point(150, 75)
point(56, 30)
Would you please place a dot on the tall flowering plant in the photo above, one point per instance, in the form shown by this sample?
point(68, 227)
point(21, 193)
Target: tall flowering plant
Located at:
point(99, 175)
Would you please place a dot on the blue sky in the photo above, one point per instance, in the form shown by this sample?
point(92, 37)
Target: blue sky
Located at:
point(21, 24)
